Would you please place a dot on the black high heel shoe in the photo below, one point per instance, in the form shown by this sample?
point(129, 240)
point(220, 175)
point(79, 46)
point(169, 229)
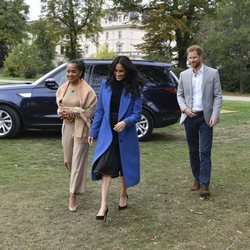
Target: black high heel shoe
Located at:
point(123, 207)
point(103, 217)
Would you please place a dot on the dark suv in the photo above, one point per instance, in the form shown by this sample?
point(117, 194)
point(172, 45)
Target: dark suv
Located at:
point(33, 106)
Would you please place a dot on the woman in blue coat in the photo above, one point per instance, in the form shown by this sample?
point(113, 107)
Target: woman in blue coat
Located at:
point(114, 127)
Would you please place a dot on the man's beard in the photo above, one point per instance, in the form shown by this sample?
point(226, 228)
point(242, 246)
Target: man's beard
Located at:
point(196, 65)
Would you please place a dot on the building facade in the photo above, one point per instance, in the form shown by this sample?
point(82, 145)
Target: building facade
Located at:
point(117, 36)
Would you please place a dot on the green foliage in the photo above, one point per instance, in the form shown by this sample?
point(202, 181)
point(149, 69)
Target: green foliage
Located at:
point(103, 53)
point(24, 61)
point(45, 38)
point(73, 19)
point(13, 16)
point(155, 56)
point(171, 26)
point(177, 71)
point(226, 41)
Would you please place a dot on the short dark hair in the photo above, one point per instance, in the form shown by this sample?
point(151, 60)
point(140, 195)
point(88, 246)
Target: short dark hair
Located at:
point(80, 65)
point(196, 48)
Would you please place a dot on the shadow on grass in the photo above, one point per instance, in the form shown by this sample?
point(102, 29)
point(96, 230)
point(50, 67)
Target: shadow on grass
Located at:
point(39, 134)
point(161, 136)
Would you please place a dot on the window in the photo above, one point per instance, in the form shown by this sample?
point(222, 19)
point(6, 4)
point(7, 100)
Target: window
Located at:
point(62, 50)
point(125, 17)
point(86, 49)
point(100, 72)
point(119, 35)
point(60, 77)
point(119, 48)
point(155, 75)
point(107, 36)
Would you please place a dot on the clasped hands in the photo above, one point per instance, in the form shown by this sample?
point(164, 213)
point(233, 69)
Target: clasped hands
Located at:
point(69, 114)
point(190, 113)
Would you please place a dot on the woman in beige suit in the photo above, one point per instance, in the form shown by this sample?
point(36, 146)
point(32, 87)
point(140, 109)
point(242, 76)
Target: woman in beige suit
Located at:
point(76, 102)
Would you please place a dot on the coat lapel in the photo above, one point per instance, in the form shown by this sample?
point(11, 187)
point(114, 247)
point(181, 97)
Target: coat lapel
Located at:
point(190, 83)
point(106, 101)
point(204, 78)
point(124, 103)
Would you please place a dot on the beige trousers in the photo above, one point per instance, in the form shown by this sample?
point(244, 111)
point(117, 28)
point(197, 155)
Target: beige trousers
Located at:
point(75, 152)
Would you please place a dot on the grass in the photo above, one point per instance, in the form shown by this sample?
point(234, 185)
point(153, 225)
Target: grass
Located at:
point(162, 213)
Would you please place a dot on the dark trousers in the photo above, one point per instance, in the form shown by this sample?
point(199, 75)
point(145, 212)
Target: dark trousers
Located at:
point(199, 138)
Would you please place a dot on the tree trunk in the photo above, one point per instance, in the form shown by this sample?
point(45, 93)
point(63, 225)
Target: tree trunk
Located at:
point(241, 86)
point(182, 61)
point(182, 43)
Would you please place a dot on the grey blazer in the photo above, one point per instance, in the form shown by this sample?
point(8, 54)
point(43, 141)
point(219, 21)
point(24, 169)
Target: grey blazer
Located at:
point(211, 95)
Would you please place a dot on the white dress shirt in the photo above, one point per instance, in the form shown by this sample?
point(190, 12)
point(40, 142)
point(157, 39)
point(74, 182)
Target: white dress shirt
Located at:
point(197, 81)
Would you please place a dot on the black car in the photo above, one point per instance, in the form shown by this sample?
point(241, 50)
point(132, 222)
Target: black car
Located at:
point(33, 106)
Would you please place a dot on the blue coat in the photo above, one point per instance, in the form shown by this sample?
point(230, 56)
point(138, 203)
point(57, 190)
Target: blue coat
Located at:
point(129, 112)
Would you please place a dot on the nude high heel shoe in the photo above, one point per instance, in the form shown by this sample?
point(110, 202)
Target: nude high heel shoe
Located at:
point(72, 198)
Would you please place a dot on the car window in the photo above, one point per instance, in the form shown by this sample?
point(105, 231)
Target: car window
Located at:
point(99, 72)
point(60, 76)
point(175, 79)
point(155, 75)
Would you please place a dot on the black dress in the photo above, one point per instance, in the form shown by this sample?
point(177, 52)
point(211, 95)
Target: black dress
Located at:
point(109, 163)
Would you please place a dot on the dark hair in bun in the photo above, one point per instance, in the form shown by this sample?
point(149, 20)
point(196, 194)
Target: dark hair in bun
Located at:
point(80, 65)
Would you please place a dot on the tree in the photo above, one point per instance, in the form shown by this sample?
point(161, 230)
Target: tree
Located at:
point(45, 38)
point(23, 61)
point(74, 18)
point(13, 20)
point(171, 25)
point(103, 53)
point(226, 41)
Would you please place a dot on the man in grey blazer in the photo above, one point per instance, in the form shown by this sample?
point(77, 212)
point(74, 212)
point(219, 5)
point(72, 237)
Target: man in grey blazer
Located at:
point(199, 96)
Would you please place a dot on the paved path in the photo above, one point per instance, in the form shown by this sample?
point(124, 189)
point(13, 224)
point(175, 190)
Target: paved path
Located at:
point(14, 81)
point(236, 98)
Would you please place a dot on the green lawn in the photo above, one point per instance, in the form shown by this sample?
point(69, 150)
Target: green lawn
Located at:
point(162, 213)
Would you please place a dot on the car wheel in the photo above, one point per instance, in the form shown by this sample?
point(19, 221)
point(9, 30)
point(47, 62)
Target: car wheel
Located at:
point(145, 126)
point(10, 123)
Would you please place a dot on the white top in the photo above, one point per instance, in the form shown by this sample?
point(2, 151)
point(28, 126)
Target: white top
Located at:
point(197, 80)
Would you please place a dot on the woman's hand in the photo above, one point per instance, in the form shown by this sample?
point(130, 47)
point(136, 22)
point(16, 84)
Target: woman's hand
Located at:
point(65, 115)
point(119, 126)
point(90, 140)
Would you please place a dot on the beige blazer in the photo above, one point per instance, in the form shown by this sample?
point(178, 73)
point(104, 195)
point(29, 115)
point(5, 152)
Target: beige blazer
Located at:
point(211, 93)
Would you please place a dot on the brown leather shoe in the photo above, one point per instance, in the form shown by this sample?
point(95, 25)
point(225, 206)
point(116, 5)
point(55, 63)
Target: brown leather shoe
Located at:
point(195, 186)
point(204, 192)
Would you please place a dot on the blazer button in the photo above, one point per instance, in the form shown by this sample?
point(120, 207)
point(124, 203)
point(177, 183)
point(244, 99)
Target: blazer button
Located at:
point(121, 140)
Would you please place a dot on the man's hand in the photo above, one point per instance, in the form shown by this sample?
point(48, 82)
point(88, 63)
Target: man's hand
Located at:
point(189, 112)
point(213, 121)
